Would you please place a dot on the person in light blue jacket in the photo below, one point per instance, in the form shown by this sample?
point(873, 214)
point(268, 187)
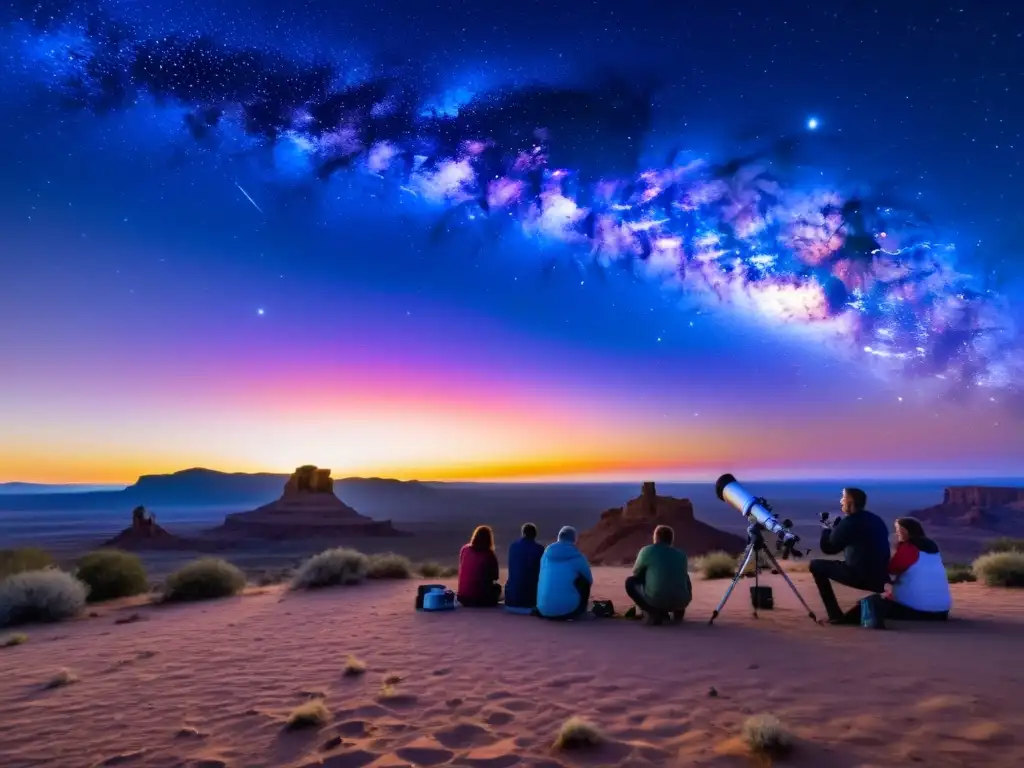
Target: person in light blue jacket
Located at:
point(563, 590)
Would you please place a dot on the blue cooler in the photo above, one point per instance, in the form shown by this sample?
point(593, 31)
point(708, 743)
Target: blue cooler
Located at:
point(872, 612)
point(439, 600)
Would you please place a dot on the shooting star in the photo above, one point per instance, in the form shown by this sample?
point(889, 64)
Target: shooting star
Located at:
point(247, 197)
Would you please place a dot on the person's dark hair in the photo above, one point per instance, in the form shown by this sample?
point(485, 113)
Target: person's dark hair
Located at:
point(664, 535)
point(912, 526)
point(529, 531)
point(857, 496)
point(482, 538)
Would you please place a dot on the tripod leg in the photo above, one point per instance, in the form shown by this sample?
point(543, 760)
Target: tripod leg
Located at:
point(757, 581)
point(735, 580)
point(792, 586)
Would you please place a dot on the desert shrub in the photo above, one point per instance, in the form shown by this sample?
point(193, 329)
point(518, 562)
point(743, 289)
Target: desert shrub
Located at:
point(111, 573)
point(765, 735)
point(389, 566)
point(12, 640)
point(957, 573)
point(1000, 569)
point(577, 733)
point(23, 559)
point(435, 570)
point(353, 667)
point(203, 579)
point(63, 677)
point(49, 595)
point(332, 568)
point(717, 565)
point(1003, 544)
point(310, 714)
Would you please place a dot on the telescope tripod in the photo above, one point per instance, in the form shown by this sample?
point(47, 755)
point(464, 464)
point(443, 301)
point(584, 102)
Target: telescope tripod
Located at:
point(756, 547)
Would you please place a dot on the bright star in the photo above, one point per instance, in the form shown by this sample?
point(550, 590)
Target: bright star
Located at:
point(260, 312)
point(812, 124)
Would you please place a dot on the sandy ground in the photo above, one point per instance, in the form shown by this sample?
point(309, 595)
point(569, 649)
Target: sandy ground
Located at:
point(211, 684)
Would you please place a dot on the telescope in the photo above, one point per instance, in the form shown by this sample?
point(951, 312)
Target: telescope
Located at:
point(759, 512)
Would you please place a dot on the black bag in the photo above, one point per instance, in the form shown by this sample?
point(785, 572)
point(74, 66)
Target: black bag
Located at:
point(603, 609)
point(761, 598)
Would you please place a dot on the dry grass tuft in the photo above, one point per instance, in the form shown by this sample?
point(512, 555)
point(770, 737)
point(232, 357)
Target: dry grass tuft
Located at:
point(387, 691)
point(392, 680)
point(207, 578)
point(111, 574)
point(434, 570)
point(717, 565)
point(309, 714)
point(63, 677)
point(353, 667)
point(338, 567)
point(1000, 569)
point(957, 573)
point(12, 640)
point(577, 733)
point(765, 735)
point(388, 565)
point(24, 559)
point(1003, 544)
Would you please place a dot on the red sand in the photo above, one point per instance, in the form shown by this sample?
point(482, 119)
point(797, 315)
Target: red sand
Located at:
point(484, 688)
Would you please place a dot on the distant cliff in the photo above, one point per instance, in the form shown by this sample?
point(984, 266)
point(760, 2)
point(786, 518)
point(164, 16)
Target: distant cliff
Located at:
point(999, 510)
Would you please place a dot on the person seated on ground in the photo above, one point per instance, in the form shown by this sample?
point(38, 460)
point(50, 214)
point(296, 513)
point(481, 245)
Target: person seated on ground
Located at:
point(863, 538)
point(478, 571)
point(523, 570)
point(660, 585)
point(563, 590)
point(920, 591)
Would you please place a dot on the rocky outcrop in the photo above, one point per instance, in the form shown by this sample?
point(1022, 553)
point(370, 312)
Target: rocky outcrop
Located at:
point(307, 508)
point(145, 534)
point(623, 531)
point(1000, 510)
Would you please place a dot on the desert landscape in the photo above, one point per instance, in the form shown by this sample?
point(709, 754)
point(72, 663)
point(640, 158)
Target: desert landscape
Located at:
point(269, 666)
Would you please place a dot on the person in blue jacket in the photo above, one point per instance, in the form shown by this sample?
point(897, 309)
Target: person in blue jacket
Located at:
point(563, 591)
point(523, 570)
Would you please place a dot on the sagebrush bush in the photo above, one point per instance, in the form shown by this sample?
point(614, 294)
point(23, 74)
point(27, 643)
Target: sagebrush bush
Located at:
point(111, 573)
point(957, 573)
point(389, 566)
point(49, 595)
point(577, 733)
point(1000, 569)
point(765, 735)
point(717, 565)
point(310, 714)
point(332, 568)
point(1003, 544)
point(23, 559)
point(203, 579)
point(434, 570)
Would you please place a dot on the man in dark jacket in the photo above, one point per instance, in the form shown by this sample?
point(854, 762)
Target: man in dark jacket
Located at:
point(863, 538)
point(523, 570)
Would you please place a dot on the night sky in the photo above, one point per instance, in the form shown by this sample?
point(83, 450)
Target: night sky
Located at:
point(559, 239)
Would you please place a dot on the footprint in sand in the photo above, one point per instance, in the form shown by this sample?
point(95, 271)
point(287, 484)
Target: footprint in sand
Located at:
point(425, 755)
point(463, 735)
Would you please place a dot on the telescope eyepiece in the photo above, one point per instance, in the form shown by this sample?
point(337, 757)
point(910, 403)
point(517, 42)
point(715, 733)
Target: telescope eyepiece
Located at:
point(720, 485)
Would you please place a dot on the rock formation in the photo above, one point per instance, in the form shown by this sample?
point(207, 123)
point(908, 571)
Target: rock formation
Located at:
point(621, 532)
point(1000, 510)
point(145, 534)
point(307, 508)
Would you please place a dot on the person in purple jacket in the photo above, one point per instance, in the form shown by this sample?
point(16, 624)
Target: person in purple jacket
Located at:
point(523, 571)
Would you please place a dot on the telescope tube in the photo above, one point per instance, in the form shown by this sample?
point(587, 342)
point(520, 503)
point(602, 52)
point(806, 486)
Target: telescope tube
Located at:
point(729, 490)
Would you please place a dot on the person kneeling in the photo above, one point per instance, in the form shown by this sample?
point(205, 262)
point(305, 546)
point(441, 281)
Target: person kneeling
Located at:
point(478, 571)
point(920, 591)
point(863, 538)
point(660, 585)
point(563, 590)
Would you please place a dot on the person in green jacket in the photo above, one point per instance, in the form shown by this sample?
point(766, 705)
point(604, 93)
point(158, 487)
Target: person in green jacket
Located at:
point(660, 584)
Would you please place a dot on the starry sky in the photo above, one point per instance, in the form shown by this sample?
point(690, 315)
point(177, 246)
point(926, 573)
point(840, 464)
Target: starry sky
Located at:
point(455, 240)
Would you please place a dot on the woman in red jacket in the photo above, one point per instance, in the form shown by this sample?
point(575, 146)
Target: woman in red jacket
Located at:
point(478, 571)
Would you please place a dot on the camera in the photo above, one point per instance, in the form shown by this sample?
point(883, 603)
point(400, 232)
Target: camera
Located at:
point(834, 520)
